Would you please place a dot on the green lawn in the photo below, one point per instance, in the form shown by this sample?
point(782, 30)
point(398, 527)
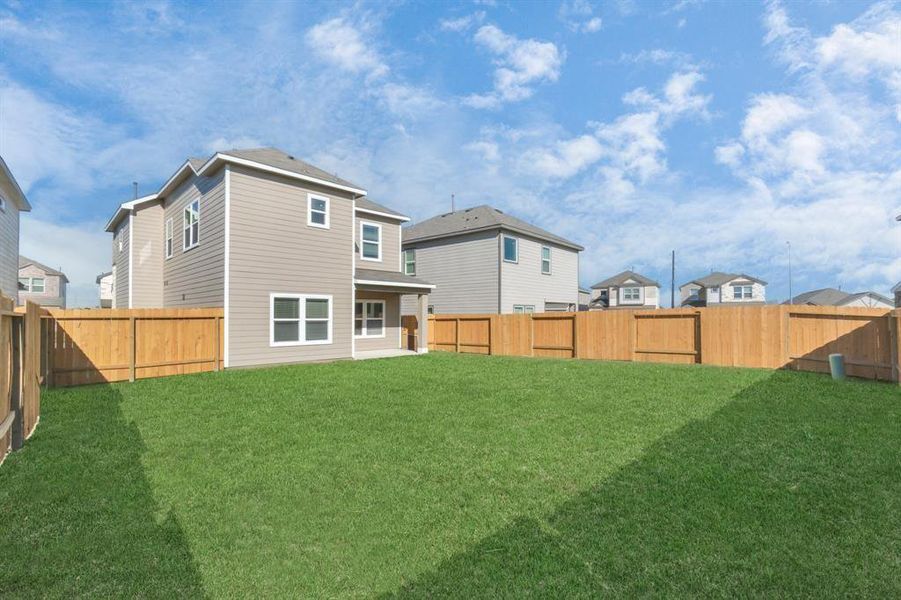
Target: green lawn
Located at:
point(465, 476)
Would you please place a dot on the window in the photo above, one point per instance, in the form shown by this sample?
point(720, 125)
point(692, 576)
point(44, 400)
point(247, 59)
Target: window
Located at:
point(431, 309)
point(120, 240)
point(317, 211)
point(545, 260)
point(298, 319)
point(511, 249)
point(523, 308)
point(37, 284)
point(192, 225)
point(410, 262)
point(24, 283)
point(742, 292)
point(369, 318)
point(631, 294)
point(168, 238)
point(370, 241)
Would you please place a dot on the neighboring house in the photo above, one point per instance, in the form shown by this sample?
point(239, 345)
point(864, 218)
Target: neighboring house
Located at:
point(723, 288)
point(106, 287)
point(584, 298)
point(625, 290)
point(305, 267)
point(12, 202)
point(41, 284)
point(897, 292)
point(485, 261)
point(834, 297)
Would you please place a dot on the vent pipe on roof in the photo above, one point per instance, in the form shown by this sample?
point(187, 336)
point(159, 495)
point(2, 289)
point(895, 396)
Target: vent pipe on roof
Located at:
point(453, 198)
point(135, 185)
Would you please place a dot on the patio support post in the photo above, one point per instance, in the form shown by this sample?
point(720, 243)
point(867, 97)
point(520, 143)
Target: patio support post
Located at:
point(422, 315)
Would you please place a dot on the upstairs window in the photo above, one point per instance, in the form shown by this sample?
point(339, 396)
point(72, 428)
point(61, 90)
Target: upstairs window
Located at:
point(742, 292)
point(523, 308)
point(370, 241)
point(410, 262)
point(317, 211)
point(25, 284)
point(192, 225)
point(511, 249)
point(168, 238)
point(298, 319)
point(631, 294)
point(37, 284)
point(546, 260)
point(369, 318)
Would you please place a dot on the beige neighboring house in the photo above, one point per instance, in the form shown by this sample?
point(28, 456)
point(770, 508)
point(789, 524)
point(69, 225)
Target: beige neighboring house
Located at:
point(486, 261)
point(106, 289)
point(625, 290)
point(41, 284)
point(723, 289)
point(835, 297)
point(304, 265)
point(12, 202)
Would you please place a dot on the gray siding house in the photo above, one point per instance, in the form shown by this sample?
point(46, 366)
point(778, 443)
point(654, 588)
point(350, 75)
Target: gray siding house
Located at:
point(723, 288)
point(305, 266)
point(485, 261)
point(835, 297)
point(625, 290)
point(12, 202)
point(41, 284)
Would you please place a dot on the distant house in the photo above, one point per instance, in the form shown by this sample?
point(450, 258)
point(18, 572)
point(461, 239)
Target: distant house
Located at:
point(625, 290)
point(12, 202)
point(486, 261)
point(41, 284)
point(834, 297)
point(897, 292)
point(106, 281)
point(723, 288)
point(584, 298)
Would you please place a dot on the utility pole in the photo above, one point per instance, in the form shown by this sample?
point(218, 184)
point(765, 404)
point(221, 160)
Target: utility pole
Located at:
point(672, 282)
point(791, 297)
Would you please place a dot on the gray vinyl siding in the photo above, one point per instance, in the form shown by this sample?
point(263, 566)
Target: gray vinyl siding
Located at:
point(9, 246)
point(120, 264)
point(524, 283)
point(465, 271)
point(391, 340)
point(273, 250)
point(390, 244)
point(54, 293)
point(147, 257)
point(196, 277)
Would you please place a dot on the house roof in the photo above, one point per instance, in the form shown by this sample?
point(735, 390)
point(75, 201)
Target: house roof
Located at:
point(102, 275)
point(18, 195)
point(127, 207)
point(897, 288)
point(273, 157)
point(389, 278)
point(366, 205)
point(718, 278)
point(621, 278)
point(24, 261)
point(835, 297)
point(478, 218)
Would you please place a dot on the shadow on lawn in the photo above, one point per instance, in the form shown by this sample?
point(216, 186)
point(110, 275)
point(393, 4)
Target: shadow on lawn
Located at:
point(771, 496)
point(78, 514)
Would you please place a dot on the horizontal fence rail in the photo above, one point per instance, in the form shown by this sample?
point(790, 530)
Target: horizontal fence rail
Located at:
point(94, 346)
point(774, 337)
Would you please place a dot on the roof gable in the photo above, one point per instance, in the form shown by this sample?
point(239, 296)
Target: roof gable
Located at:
point(24, 261)
point(624, 278)
point(18, 196)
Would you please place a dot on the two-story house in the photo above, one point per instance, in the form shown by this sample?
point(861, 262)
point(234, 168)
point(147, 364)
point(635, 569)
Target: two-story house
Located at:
point(485, 261)
point(12, 202)
point(305, 266)
point(723, 288)
point(106, 289)
point(836, 297)
point(41, 284)
point(625, 290)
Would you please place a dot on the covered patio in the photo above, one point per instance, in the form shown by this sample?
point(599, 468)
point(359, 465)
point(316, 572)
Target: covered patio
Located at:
point(379, 298)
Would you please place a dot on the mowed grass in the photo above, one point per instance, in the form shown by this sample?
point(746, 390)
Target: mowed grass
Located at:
point(459, 476)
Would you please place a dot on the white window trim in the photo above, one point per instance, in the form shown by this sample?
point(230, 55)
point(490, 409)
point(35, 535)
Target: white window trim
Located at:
point(194, 243)
point(328, 212)
point(302, 313)
point(377, 226)
point(549, 254)
point(170, 239)
point(503, 249)
point(743, 286)
point(522, 309)
point(626, 300)
point(384, 319)
point(43, 289)
point(413, 250)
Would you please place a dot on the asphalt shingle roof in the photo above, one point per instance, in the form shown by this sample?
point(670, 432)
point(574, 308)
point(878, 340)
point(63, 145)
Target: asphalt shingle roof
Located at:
point(274, 157)
point(621, 278)
point(24, 261)
point(718, 278)
point(478, 218)
point(370, 205)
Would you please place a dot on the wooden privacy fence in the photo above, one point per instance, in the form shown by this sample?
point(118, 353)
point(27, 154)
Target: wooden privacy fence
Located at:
point(794, 337)
point(92, 346)
point(20, 386)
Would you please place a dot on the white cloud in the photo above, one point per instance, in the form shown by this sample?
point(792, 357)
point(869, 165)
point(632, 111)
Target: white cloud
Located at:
point(342, 44)
point(463, 23)
point(519, 65)
point(568, 157)
point(578, 15)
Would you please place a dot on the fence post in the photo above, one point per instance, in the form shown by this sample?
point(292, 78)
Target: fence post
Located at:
point(216, 336)
point(699, 328)
point(895, 341)
point(575, 337)
point(16, 327)
point(633, 337)
point(132, 349)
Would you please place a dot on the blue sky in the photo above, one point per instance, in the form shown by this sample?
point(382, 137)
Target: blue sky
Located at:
point(719, 129)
